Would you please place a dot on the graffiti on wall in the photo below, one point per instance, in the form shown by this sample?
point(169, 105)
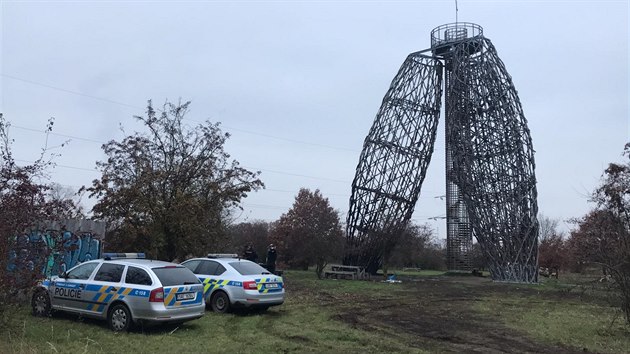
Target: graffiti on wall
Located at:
point(57, 247)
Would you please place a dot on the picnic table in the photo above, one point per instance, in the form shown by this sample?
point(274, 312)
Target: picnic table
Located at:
point(406, 269)
point(338, 271)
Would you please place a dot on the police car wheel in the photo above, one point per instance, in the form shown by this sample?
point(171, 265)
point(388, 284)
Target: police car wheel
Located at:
point(119, 318)
point(220, 302)
point(41, 303)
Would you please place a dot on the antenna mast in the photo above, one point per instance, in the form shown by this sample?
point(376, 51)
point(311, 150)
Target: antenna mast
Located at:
point(456, 11)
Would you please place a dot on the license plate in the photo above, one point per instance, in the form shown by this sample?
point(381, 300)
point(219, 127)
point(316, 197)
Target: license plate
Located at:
point(185, 296)
point(272, 286)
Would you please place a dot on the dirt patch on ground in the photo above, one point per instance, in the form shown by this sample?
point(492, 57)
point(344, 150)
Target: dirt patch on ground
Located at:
point(438, 313)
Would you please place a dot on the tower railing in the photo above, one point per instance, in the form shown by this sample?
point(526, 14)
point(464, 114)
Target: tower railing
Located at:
point(453, 32)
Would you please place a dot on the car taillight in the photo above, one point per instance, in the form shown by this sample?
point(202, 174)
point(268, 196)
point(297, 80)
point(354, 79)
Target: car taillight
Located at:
point(157, 295)
point(250, 285)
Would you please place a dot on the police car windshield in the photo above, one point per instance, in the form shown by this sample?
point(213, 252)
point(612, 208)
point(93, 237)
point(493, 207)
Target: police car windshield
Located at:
point(248, 268)
point(171, 275)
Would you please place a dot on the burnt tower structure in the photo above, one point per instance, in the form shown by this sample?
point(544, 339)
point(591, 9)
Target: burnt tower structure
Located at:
point(490, 181)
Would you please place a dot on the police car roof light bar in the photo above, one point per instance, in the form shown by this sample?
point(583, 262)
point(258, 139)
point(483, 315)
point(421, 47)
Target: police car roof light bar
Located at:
point(110, 256)
point(222, 255)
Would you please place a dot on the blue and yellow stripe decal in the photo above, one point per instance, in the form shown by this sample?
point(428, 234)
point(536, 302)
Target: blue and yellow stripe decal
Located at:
point(262, 287)
point(210, 283)
point(170, 296)
point(107, 293)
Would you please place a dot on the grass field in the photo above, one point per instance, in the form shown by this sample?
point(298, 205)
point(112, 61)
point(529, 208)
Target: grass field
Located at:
point(427, 312)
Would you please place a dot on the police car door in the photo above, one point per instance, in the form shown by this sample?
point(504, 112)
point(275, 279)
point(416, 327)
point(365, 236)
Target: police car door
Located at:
point(68, 291)
point(104, 288)
point(206, 272)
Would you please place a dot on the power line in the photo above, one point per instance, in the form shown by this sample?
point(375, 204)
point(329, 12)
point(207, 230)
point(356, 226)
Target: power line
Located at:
point(191, 120)
point(278, 172)
point(71, 92)
point(295, 192)
point(292, 140)
point(231, 128)
point(102, 142)
point(57, 134)
point(268, 206)
point(265, 206)
point(298, 175)
point(64, 166)
point(79, 168)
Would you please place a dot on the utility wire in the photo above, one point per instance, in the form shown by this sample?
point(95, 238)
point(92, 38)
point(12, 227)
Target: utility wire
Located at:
point(297, 175)
point(64, 166)
point(102, 142)
point(71, 92)
point(292, 140)
point(272, 171)
point(57, 134)
point(295, 192)
point(187, 119)
point(265, 206)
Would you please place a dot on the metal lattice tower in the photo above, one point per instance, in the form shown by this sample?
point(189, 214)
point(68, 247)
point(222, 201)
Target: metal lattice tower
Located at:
point(458, 228)
point(490, 181)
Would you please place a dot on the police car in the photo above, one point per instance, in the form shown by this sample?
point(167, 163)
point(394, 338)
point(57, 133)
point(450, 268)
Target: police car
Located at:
point(233, 282)
point(124, 289)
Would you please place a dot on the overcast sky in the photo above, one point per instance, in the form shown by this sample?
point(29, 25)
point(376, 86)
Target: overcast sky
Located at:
point(298, 84)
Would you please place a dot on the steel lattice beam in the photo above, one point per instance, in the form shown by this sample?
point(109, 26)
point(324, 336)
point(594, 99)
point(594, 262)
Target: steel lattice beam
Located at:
point(394, 160)
point(491, 185)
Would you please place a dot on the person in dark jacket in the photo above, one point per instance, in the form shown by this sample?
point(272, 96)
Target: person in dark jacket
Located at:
point(271, 258)
point(250, 254)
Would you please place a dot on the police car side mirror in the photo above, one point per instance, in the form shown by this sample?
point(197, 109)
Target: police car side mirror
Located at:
point(64, 275)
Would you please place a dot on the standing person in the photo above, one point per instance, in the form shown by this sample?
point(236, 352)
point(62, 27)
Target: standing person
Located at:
point(271, 258)
point(250, 254)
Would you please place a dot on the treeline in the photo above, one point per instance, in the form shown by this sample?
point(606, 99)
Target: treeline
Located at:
point(301, 248)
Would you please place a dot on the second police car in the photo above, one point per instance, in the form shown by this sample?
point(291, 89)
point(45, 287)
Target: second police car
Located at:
point(233, 282)
point(123, 289)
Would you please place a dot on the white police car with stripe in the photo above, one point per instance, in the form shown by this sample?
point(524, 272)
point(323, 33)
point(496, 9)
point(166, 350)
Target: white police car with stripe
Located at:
point(123, 288)
point(233, 282)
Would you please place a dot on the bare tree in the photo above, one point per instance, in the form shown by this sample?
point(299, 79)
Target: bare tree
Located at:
point(548, 227)
point(552, 254)
point(60, 192)
point(552, 248)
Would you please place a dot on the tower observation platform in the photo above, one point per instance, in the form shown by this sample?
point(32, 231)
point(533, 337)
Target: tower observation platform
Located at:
point(445, 37)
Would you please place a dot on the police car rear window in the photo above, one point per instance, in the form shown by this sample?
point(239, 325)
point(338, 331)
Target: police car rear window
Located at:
point(170, 276)
point(248, 268)
point(137, 276)
point(210, 268)
point(109, 272)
